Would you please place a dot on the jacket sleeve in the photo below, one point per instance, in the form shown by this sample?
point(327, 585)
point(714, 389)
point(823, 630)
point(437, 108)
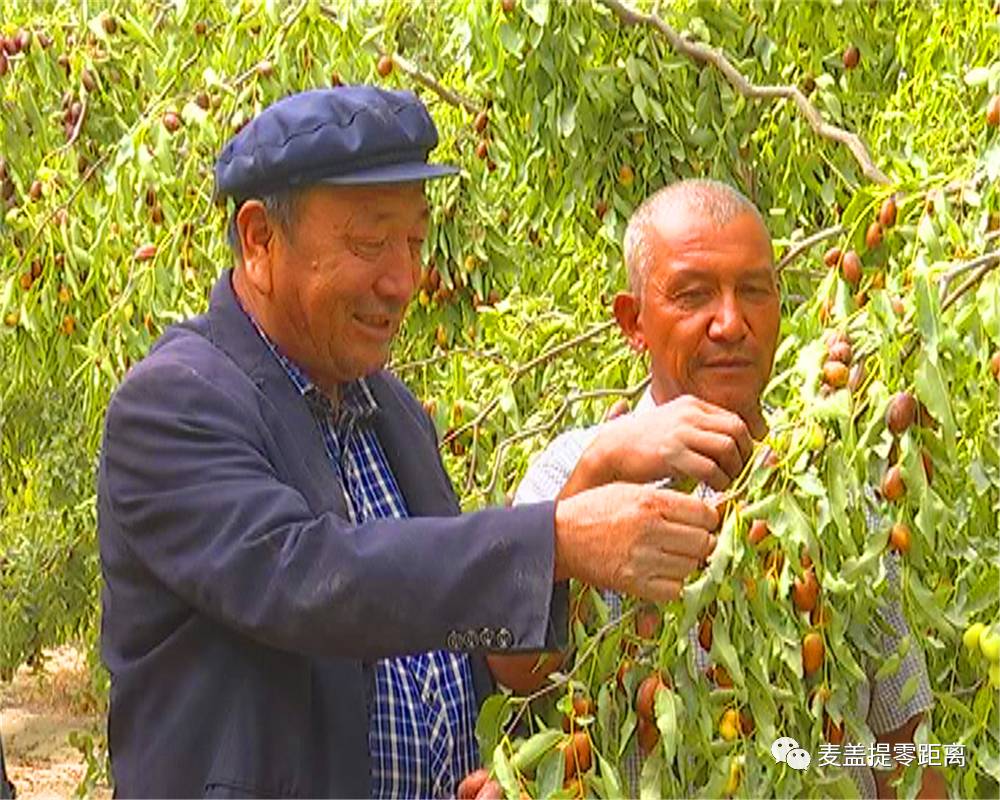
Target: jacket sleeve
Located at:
point(186, 481)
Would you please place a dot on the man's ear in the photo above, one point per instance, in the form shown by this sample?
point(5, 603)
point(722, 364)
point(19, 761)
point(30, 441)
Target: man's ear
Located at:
point(626, 307)
point(256, 240)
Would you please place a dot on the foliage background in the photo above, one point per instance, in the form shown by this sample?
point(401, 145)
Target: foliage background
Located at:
point(526, 261)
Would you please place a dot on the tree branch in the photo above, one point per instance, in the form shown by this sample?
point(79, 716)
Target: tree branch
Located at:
point(800, 247)
point(989, 259)
point(450, 96)
point(523, 369)
point(714, 57)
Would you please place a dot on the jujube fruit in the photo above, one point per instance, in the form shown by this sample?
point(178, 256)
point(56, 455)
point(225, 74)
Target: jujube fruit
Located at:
point(893, 487)
point(899, 538)
point(873, 236)
point(577, 754)
point(836, 374)
point(887, 213)
point(758, 532)
point(812, 652)
point(850, 267)
point(901, 413)
point(851, 57)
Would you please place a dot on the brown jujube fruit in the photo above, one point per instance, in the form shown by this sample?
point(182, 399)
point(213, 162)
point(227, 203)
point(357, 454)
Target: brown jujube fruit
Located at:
point(840, 351)
point(993, 111)
point(384, 66)
point(481, 121)
point(832, 731)
point(873, 236)
point(901, 413)
point(851, 57)
point(835, 374)
point(887, 213)
point(705, 633)
point(805, 591)
point(995, 365)
point(758, 532)
point(645, 698)
point(850, 267)
point(832, 257)
point(577, 753)
point(812, 652)
point(482, 149)
point(893, 487)
point(899, 538)
point(649, 736)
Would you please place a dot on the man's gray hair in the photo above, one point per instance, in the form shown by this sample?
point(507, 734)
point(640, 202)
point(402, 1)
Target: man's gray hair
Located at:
point(281, 209)
point(714, 201)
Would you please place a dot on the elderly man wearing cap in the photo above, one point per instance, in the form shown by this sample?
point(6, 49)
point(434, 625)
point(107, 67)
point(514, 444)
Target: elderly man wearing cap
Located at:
point(293, 604)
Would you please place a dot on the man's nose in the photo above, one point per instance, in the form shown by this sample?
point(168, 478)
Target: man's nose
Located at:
point(398, 272)
point(729, 323)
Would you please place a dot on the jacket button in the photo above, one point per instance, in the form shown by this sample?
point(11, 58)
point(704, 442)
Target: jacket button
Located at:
point(486, 638)
point(454, 640)
point(471, 640)
point(504, 638)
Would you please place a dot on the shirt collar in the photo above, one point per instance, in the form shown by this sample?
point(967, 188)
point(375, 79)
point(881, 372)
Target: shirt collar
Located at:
point(357, 402)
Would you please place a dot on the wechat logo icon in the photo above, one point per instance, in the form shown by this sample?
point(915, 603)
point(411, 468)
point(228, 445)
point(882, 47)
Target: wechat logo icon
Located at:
point(787, 749)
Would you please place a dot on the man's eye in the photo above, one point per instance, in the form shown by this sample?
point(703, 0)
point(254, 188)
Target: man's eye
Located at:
point(369, 247)
point(693, 296)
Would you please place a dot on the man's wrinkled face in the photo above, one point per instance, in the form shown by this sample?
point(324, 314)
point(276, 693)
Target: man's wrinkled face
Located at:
point(344, 275)
point(709, 313)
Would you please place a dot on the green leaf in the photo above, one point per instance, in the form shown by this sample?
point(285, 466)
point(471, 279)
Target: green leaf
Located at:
point(505, 772)
point(529, 753)
point(550, 774)
point(932, 389)
point(493, 715)
point(909, 689)
point(538, 10)
point(666, 721)
point(649, 778)
point(928, 313)
point(612, 783)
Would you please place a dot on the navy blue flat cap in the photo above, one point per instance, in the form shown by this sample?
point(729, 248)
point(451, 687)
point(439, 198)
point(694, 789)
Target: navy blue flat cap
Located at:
point(348, 135)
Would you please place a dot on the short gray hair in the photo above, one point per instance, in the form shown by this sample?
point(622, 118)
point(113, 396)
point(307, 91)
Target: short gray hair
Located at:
point(281, 209)
point(717, 202)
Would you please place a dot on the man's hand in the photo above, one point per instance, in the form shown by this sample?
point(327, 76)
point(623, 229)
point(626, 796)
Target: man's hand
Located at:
point(633, 539)
point(685, 438)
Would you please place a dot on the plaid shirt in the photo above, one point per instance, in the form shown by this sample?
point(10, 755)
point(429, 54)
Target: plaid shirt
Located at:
point(422, 714)
point(879, 700)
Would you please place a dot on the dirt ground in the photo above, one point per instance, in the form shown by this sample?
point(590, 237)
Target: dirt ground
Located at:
point(38, 711)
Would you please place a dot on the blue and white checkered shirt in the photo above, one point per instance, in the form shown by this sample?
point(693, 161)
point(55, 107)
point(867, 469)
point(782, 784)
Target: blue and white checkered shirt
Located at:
point(422, 716)
point(879, 701)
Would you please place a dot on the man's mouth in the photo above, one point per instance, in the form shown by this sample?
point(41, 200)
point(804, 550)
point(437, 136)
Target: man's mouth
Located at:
point(378, 323)
point(729, 363)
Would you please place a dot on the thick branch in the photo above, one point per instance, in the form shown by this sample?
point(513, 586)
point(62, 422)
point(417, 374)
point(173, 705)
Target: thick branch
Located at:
point(450, 96)
point(714, 57)
point(990, 260)
point(800, 247)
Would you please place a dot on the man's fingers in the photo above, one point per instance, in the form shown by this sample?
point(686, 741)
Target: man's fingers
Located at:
point(721, 449)
point(658, 590)
point(685, 510)
point(731, 425)
point(703, 469)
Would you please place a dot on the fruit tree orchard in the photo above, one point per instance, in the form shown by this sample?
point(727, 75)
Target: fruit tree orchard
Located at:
point(867, 133)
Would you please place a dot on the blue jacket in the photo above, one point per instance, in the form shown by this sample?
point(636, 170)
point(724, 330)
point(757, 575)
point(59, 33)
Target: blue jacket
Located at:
point(240, 608)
